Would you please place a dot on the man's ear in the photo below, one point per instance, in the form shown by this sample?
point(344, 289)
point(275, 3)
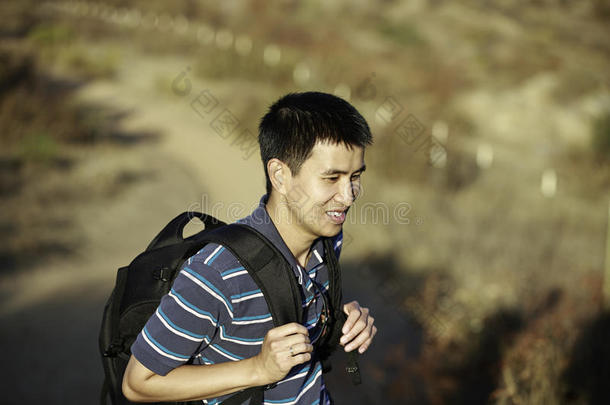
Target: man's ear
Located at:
point(278, 174)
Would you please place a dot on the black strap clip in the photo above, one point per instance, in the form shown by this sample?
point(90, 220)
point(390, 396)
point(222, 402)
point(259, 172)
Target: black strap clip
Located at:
point(162, 274)
point(352, 368)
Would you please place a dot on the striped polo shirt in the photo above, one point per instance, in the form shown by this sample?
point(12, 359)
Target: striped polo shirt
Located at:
point(215, 313)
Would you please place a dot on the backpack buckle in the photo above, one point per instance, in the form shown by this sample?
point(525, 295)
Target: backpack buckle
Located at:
point(161, 274)
point(352, 368)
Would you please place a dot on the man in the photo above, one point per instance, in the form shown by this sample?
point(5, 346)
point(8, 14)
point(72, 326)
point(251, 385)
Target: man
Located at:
point(312, 147)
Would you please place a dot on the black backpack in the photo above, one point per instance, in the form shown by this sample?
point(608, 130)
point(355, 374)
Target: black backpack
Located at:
point(141, 285)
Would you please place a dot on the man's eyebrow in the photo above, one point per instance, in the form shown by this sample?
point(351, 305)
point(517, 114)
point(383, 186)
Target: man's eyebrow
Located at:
point(331, 172)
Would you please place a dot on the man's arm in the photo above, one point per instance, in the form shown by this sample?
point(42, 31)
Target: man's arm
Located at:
point(283, 348)
point(188, 382)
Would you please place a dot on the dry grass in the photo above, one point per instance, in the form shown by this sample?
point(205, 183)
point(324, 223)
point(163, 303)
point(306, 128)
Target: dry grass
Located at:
point(503, 282)
point(44, 136)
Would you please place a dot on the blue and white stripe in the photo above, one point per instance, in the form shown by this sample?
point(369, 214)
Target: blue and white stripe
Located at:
point(162, 350)
point(246, 296)
point(192, 309)
point(208, 287)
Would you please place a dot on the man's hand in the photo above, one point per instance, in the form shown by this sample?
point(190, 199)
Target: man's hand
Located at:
point(283, 348)
point(358, 331)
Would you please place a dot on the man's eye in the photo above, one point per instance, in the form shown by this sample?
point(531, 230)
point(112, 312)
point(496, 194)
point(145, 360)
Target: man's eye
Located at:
point(335, 178)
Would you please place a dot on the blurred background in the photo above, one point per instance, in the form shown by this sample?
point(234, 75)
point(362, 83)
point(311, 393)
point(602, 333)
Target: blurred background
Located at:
point(479, 242)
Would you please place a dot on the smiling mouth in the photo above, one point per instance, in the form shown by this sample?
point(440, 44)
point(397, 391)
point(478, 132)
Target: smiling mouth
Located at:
point(337, 216)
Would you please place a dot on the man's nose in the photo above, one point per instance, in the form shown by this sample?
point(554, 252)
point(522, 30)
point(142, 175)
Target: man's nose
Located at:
point(346, 193)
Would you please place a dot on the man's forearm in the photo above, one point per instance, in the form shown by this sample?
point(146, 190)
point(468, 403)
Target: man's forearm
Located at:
point(189, 382)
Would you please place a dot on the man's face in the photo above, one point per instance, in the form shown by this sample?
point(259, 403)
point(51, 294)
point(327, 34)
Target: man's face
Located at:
point(326, 186)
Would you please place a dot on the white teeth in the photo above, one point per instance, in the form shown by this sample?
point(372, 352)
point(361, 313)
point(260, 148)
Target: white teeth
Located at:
point(335, 213)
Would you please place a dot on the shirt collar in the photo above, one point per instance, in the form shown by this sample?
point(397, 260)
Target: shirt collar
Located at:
point(261, 221)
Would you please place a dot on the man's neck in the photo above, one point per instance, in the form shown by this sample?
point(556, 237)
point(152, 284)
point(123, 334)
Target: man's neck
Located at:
point(297, 241)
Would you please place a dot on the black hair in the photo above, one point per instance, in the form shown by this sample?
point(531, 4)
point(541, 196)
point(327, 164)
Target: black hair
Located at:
point(295, 122)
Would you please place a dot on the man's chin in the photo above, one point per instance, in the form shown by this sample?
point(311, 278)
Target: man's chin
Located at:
point(333, 230)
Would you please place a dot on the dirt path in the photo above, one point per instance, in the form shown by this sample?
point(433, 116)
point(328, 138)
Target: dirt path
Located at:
point(54, 309)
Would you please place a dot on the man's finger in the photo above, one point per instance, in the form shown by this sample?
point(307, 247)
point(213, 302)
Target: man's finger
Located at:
point(288, 329)
point(357, 326)
point(360, 334)
point(299, 348)
point(283, 343)
point(365, 335)
point(363, 347)
point(294, 340)
point(356, 330)
point(300, 358)
point(353, 312)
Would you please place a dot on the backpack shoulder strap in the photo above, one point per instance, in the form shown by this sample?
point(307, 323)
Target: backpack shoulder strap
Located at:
point(334, 276)
point(273, 275)
point(266, 265)
point(336, 297)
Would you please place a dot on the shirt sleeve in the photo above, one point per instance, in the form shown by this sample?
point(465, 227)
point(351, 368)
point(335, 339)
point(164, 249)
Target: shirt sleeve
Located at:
point(186, 320)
